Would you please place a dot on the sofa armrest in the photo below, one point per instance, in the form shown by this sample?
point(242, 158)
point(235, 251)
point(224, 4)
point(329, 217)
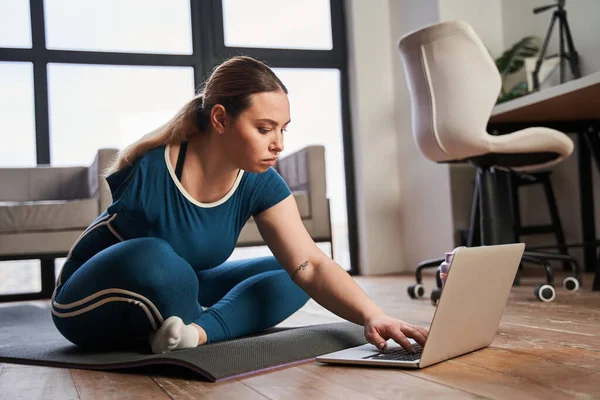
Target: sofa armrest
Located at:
point(305, 170)
point(97, 183)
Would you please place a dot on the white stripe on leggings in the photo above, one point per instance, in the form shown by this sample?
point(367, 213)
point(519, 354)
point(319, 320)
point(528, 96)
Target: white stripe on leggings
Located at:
point(107, 300)
point(108, 291)
point(106, 220)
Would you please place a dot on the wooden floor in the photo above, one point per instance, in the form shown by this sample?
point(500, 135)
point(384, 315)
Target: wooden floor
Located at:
point(545, 351)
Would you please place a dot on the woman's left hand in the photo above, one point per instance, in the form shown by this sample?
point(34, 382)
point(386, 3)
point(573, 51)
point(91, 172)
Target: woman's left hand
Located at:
point(381, 328)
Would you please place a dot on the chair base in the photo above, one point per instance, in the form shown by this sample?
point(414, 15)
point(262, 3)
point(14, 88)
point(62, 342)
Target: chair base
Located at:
point(491, 224)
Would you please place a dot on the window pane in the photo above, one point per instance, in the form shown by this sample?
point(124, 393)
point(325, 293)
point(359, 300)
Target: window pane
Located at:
point(92, 107)
point(139, 26)
point(316, 113)
point(15, 24)
point(58, 264)
point(277, 24)
point(23, 276)
point(17, 121)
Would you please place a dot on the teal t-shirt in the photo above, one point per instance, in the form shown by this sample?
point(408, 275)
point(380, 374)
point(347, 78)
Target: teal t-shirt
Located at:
point(150, 201)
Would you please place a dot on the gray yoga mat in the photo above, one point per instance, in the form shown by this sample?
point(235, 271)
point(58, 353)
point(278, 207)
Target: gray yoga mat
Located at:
point(28, 336)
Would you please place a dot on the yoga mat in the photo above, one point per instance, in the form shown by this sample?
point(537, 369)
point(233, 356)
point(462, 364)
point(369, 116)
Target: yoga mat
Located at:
point(28, 336)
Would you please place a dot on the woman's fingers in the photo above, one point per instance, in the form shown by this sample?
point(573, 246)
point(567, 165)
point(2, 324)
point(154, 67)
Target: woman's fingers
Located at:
point(402, 340)
point(413, 332)
point(378, 332)
point(423, 331)
point(376, 339)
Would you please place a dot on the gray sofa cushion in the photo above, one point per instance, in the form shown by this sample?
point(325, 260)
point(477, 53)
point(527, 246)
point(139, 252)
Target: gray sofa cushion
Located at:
point(47, 215)
point(37, 242)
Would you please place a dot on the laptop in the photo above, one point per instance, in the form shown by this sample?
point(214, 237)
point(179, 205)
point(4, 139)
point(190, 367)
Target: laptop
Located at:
point(467, 315)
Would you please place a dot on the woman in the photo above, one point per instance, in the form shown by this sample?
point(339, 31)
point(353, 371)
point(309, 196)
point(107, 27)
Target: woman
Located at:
point(181, 194)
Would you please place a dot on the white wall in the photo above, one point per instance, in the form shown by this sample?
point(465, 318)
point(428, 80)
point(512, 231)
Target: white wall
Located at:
point(485, 19)
point(402, 217)
point(375, 138)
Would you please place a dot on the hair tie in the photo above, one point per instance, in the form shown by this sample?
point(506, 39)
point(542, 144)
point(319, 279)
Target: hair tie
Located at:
point(203, 117)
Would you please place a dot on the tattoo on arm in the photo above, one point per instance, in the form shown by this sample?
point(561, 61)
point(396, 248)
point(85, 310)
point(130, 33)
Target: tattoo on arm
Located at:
point(301, 267)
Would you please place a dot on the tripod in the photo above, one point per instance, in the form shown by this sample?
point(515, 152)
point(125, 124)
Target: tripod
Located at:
point(564, 33)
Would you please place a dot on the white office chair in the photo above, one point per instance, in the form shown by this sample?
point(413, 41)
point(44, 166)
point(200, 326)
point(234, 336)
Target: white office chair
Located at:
point(454, 84)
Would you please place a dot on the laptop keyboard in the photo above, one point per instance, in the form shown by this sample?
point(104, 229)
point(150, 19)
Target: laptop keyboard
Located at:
point(398, 354)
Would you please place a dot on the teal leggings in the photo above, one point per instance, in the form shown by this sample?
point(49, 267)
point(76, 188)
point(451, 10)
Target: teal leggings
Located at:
point(125, 291)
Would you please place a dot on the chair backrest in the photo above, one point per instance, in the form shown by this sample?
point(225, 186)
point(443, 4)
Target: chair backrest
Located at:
point(453, 84)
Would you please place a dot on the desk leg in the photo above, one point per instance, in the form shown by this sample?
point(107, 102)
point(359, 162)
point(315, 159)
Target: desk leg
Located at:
point(593, 145)
point(586, 201)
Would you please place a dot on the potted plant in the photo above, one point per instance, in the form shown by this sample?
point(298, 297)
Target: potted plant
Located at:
point(512, 61)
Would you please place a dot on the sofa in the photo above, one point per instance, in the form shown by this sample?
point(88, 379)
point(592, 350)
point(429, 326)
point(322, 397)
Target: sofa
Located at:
point(44, 209)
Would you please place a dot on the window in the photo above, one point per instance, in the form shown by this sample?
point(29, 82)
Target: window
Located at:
point(17, 127)
point(278, 24)
point(130, 65)
point(15, 24)
point(140, 26)
point(22, 276)
point(98, 106)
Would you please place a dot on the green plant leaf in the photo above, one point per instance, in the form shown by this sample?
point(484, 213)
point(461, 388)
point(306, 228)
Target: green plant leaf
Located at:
point(513, 59)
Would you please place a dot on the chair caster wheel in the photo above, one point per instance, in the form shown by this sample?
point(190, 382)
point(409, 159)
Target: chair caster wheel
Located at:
point(435, 296)
point(571, 284)
point(416, 291)
point(545, 293)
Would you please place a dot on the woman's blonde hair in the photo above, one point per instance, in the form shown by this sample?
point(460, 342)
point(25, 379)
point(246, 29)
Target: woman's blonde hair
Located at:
point(231, 84)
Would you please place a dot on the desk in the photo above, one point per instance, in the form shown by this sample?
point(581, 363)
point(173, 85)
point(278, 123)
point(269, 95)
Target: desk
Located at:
point(571, 107)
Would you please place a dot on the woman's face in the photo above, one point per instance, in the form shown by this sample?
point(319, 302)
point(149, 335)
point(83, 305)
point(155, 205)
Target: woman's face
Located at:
point(255, 138)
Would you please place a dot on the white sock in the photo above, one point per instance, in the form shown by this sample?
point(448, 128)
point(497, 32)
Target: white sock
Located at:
point(173, 334)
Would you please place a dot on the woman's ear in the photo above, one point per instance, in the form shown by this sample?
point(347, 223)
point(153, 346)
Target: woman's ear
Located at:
point(218, 118)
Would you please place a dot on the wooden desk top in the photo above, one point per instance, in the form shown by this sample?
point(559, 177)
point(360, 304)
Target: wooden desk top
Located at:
point(578, 99)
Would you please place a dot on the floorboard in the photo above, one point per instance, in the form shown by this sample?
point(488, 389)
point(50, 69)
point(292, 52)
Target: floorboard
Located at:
point(31, 382)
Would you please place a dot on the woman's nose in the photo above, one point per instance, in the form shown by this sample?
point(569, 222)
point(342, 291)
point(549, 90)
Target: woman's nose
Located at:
point(277, 145)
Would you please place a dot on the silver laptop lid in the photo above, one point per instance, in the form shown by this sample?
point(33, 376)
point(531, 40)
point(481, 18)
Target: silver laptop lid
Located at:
point(472, 302)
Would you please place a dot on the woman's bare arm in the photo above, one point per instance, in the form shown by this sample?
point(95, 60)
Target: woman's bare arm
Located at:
point(317, 274)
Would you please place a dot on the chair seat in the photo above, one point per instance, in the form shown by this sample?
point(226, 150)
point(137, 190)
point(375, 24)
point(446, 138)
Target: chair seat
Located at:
point(525, 150)
point(522, 162)
point(533, 140)
point(47, 215)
